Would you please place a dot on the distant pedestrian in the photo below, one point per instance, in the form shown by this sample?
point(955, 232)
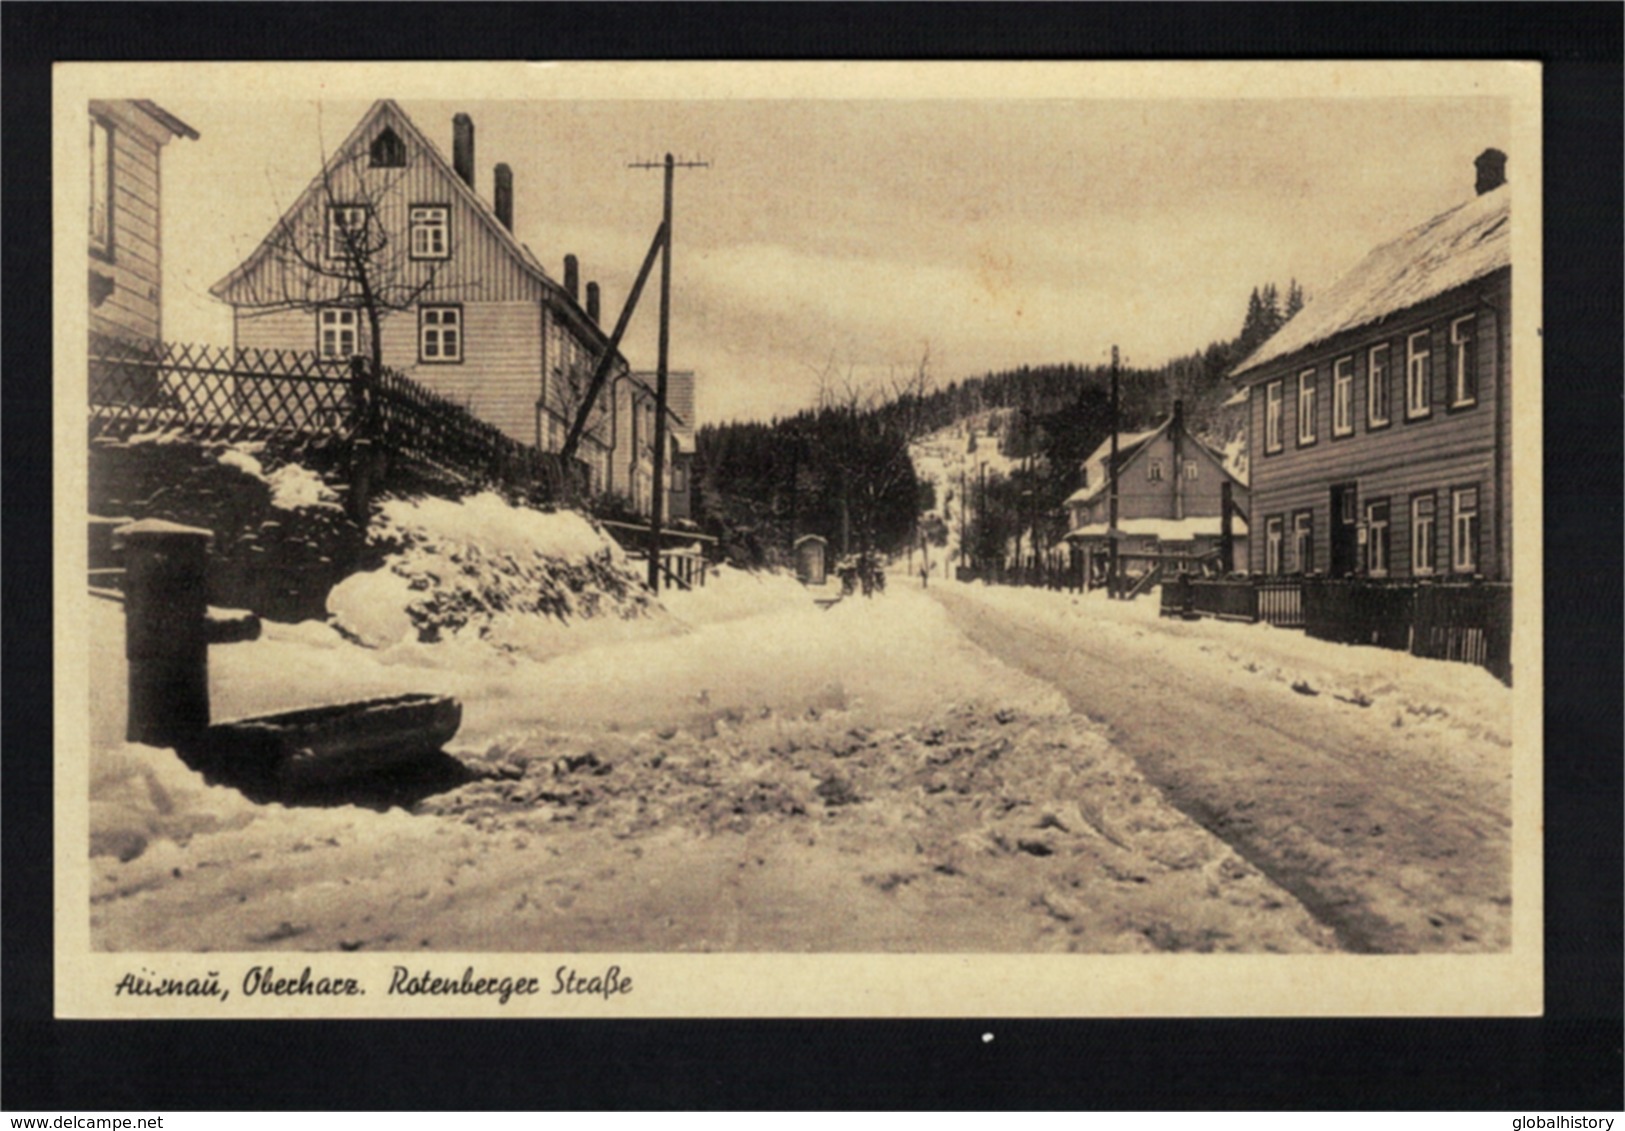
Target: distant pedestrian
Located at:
point(925, 576)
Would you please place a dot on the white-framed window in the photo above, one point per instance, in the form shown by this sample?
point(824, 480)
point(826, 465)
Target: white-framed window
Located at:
point(1424, 535)
point(1419, 374)
point(440, 334)
point(337, 331)
point(1273, 536)
point(1303, 541)
point(346, 229)
point(1272, 417)
point(1191, 470)
point(1376, 537)
point(1376, 392)
point(430, 231)
point(101, 187)
point(1464, 530)
point(1463, 363)
point(1306, 407)
point(1154, 471)
point(1343, 397)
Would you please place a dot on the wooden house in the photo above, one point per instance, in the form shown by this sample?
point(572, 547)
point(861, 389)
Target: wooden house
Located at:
point(466, 309)
point(1379, 417)
point(126, 230)
point(1171, 489)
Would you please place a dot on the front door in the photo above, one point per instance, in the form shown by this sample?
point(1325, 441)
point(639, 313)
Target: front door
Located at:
point(1345, 530)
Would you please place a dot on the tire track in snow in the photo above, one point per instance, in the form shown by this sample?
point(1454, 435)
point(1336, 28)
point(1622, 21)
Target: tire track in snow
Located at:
point(1387, 859)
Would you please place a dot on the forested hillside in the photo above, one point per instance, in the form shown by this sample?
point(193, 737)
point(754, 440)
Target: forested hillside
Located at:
point(842, 470)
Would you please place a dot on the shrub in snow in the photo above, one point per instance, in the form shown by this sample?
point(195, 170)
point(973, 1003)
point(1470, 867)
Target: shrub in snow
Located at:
point(480, 567)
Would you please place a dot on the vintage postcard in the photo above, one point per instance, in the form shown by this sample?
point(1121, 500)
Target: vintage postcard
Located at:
point(811, 539)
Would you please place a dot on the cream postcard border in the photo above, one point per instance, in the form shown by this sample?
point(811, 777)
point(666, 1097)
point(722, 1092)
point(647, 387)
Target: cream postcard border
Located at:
point(822, 985)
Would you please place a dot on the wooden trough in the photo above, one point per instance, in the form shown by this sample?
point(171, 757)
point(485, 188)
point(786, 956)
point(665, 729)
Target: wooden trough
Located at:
point(324, 745)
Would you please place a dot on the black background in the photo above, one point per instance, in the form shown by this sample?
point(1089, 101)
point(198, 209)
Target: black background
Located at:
point(1568, 1060)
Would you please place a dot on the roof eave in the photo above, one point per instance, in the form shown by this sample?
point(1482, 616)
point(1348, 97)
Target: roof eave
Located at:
point(164, 118)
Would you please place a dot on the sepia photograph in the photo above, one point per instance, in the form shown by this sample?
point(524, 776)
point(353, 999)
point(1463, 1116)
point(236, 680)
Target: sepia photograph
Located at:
point(798, 539)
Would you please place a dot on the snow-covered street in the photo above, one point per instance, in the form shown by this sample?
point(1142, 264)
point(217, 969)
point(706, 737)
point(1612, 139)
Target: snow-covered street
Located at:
point(745, 771)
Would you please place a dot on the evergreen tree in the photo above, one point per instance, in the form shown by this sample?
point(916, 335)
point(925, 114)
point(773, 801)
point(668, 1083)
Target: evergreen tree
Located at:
point(1294, 300)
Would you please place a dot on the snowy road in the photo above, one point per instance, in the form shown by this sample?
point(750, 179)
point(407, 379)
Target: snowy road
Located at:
point(968, 769)
point(1398, 846)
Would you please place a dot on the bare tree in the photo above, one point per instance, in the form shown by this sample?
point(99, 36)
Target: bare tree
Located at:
point(349, 248)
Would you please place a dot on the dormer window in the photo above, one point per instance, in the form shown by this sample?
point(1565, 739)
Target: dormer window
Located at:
point(388, 150)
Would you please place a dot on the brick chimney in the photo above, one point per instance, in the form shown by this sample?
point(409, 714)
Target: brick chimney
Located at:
point(572, 278)
point(462, 147)
point(592, 301)
point(1492, 170)
point(1179, 414)
point(502, 195)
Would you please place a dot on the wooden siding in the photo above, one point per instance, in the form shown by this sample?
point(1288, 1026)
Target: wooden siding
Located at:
point(1448, 448)
point(480, 266)
point(1139, 496)
point(497, 379)
point(134, 307)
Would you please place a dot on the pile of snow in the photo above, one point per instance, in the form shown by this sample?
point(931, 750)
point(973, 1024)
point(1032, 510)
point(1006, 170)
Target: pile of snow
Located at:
point(296, 487)
point(887, 661)
point(480, 568)
point(293, 486)
point(729, 594)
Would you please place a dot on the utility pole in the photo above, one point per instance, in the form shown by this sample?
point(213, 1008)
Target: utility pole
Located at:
point(657, 504)
point(964, 503)
point(1112, 533)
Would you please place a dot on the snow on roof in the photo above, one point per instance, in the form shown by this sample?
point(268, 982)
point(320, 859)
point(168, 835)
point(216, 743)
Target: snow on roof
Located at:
point(1236, 399)
point(1163, 529)
point(1452, 249)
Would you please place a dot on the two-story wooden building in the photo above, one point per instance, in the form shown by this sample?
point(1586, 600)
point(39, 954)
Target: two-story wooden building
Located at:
point(126, 244)
point(632, 438)
point(388, 225)
point(1170, 495)
point(1379, 418)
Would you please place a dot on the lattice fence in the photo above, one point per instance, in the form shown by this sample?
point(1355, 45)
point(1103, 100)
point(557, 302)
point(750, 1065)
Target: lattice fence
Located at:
point(409, 420)
point(214, 393)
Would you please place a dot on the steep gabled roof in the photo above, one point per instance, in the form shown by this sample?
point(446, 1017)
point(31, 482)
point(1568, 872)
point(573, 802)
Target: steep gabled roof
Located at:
point(1096, 473)
point(1129, 446)
point(386, 108)
point(1451, 250)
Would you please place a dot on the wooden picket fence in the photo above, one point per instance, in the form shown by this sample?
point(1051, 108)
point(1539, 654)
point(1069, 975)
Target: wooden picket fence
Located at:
point(1467, 621)
point(213, 393)
point(1273, 600)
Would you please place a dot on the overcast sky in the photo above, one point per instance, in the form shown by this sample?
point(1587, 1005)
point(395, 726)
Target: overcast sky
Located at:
point(860, 235)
